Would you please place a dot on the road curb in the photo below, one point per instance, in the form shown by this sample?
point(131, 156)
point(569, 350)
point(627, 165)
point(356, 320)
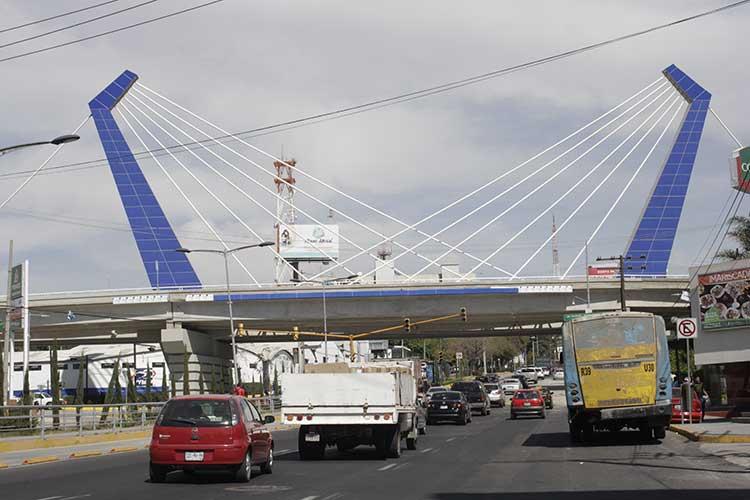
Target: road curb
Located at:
point(55, 442)
point(711, 438)
point(124, 449)
point(84, 454)
point(40, 460)
point(3, 466)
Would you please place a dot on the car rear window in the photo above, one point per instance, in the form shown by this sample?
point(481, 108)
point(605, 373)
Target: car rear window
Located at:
point(526, 395)
point(196, 413)
point(466, 387)
point(433, 390)
point(491, 387)
point(447, 396)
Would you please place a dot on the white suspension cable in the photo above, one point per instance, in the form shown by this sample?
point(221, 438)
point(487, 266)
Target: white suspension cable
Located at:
point(213, 169)
point(488, 184)
point(40, 167)
point(297, 188)
point(724, 125)
point(174, 183)
point(523, 180)
point(562, 170)
point(213, 195)
point(596, 167)
point(622, 193)
point(598, 186)
point(260, 167)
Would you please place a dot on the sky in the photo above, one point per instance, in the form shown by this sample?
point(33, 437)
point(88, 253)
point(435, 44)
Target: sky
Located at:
point(243, 65)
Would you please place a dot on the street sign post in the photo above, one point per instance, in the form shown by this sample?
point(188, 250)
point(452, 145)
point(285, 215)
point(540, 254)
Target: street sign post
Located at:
point(687, 328)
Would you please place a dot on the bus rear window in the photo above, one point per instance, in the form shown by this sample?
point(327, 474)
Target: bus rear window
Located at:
point(613, 333)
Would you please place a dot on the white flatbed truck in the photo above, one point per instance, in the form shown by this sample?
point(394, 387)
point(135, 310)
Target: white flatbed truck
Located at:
point(351, 404)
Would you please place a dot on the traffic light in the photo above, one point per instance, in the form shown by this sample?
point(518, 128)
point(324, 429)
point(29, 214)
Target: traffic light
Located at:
point(295, 333)
point(440, 356)
point(407, 324)
point(463, 314)
point(241, 330)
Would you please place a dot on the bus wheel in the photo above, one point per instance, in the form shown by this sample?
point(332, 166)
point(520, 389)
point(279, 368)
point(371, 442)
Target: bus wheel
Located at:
point(660, 432)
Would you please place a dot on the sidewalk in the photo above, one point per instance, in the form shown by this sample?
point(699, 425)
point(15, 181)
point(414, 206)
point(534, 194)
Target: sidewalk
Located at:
point(714, 430)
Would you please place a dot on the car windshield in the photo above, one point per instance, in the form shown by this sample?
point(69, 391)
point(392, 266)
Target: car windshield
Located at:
point(447, 396)
point(526, 395)
point(196, 413)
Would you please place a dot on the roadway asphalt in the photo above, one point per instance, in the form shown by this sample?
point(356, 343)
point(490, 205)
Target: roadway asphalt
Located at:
point(493, 457)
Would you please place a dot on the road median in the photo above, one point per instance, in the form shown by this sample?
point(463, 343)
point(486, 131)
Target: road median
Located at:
point(61, 441)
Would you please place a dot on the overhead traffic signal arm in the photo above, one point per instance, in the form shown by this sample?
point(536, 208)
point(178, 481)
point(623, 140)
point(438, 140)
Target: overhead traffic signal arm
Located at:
point(408, 324)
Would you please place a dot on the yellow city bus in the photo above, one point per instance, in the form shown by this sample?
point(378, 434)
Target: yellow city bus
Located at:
point(617, 374)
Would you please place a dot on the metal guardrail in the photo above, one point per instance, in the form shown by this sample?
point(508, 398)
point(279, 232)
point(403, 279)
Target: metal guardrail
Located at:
point(52, 419)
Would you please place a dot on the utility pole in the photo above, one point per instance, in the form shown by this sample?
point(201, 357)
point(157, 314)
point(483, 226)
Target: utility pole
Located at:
point(621, 262)
point(8, 347)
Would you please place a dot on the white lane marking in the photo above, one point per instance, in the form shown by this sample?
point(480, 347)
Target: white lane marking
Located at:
point(386, 467)
point(401, 466)
point(426, 450)
point(449, 440)
point(49, 498)
point(333, 496)
point(312, 497)
point(76, 496)
point(285, 452)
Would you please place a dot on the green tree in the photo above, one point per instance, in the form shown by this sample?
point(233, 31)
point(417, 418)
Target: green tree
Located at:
point(114, 390)
point(276, 387)
point(26, 392)
point(149, 384)
point(132, 394)
point(201, 385)
point(172, 385)
point(80, 386)
point(740, 231)
point(2, 373)
point(186, 374)
point(54, 375)
point(164, 384)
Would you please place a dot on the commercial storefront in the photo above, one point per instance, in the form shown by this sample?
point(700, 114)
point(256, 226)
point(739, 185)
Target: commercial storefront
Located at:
point(720, 298)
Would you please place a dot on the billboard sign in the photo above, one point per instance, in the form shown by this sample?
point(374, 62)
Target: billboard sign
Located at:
point(309, 242)
point(16, 282)
point(607, 269)
point(740, 169)
point(724, 299)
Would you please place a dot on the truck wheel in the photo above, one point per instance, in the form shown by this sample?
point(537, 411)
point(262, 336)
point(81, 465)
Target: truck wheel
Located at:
point(575, 432)
point(588, 432)
point(394, 448)
point(660, 432)
point(411, 443)
point(157, 473)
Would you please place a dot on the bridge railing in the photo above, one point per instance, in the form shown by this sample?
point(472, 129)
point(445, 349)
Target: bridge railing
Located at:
point(45, 421)
point(292, 285)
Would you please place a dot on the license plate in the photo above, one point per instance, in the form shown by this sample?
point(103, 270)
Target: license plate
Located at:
point(527, 404)
point(312, 437)
point(193, 456)
point(444, 407)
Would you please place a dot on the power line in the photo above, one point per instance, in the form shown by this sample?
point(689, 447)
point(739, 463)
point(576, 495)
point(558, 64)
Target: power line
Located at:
point(110, 32)
point(81, 23)
point(375, 104)
point(58, 16)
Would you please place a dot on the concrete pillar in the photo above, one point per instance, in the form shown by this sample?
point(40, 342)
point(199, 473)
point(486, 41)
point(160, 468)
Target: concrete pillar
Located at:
point(203, 356)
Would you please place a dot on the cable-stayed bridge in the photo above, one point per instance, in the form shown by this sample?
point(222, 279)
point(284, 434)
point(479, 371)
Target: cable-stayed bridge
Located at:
point(501, 298)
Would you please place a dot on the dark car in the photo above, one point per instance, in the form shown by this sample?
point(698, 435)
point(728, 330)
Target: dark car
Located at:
point(527, 402)
point(475, 395)
point(208, 433)
point(448, 405)
point(547, 396)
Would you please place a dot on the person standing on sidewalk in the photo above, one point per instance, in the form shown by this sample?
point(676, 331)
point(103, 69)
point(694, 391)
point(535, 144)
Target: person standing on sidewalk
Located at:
point(239, 390)
point(700, 390)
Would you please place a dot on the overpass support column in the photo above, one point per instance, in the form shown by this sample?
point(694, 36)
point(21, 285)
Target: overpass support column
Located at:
point(198, 359)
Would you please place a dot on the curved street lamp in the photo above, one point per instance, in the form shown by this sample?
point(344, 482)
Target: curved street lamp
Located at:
point(226, 254)
point(57, 141)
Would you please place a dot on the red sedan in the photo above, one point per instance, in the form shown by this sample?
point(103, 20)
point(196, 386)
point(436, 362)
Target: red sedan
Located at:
point(677, 407)
point(210, 432)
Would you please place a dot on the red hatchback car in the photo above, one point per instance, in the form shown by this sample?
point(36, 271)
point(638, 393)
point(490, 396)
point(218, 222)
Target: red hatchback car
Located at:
point(527, 402)
point(677, 407)
point(210, 432)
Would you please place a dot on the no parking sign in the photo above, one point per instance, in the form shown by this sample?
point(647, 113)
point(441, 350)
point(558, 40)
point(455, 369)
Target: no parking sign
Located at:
point(687, 328)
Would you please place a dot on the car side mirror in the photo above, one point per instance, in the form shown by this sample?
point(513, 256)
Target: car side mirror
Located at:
point(269, 419)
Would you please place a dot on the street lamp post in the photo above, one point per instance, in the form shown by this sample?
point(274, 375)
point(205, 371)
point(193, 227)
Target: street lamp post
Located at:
point(63, 139)
point(324, 283)
point(226, 253)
